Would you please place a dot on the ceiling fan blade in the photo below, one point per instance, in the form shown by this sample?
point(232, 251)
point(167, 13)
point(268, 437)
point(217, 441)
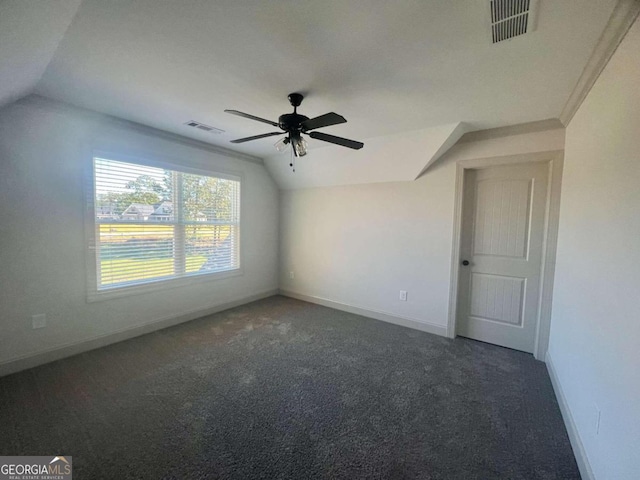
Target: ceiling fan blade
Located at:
point(256, 137)
point(345, 142)
point(251, 117)
point(322, 121)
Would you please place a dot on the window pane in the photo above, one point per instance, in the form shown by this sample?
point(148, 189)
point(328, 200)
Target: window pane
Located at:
point(135, 251)
point(156, 224)
point(209, 199)
point(211, 248)
point(129, 192)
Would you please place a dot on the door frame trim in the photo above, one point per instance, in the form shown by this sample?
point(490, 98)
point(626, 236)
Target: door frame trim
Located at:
point(552, 213)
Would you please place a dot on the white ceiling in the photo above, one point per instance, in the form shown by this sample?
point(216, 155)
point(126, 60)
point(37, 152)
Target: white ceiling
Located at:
point(410, 76)
point(391, 158)
point(29, 35)
point(386, 66)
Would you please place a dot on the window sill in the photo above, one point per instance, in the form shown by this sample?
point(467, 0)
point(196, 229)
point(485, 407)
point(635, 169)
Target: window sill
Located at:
point(159, 285)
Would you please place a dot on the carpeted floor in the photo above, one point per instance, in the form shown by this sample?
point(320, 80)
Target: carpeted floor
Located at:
point(285, 389)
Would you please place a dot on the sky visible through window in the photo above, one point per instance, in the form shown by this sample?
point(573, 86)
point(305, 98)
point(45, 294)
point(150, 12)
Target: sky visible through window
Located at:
point(104, 180)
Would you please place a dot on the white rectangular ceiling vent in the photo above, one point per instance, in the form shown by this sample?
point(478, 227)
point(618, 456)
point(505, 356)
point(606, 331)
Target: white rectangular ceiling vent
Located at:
point(511, 18)
point(203, 127)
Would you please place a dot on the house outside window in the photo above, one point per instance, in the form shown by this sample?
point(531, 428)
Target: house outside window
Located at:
point(154, 226)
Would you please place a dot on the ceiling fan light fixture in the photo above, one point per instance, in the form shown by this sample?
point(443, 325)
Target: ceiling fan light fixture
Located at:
point(299, 145)
point(294, 125)
point(282, 144)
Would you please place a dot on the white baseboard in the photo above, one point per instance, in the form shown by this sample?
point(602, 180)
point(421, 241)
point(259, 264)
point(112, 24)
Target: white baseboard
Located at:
point(33, 360)
point(365, 312)
point(574, 437)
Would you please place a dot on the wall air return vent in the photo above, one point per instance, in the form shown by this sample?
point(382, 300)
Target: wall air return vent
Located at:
point(511, 18)
point(203, 127)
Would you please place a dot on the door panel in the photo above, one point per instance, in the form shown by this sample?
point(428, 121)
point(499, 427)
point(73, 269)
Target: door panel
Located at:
point(497, 298)
point(502, 207)
point(502, 238)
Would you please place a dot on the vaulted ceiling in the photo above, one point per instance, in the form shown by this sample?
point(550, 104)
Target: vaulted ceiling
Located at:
point(388, 67)
point(29, 36)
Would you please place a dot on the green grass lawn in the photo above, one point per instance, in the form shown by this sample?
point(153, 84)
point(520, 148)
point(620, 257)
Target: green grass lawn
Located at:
point(120, 241)
point(122, 232)
point(126, 270)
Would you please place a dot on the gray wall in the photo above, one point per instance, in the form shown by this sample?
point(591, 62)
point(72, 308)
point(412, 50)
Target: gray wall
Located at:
point(44, 150)
point(595, 328)
point(359, 245)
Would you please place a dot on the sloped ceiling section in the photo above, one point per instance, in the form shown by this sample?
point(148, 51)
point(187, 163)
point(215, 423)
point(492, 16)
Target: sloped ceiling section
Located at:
point(390, 158)
point(388, 68)
point(404, 74)
point(29, 36)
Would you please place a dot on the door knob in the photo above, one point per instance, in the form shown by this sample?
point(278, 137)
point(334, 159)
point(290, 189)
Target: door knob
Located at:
point(465, 262)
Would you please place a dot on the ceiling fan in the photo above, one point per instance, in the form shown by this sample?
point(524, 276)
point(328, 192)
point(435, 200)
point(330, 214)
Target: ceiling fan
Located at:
point(294, 125)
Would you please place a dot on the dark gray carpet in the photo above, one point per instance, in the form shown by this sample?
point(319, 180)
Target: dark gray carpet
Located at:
point(285, 389)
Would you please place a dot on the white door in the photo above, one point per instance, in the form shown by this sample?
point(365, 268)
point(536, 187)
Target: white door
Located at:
point(503, 228)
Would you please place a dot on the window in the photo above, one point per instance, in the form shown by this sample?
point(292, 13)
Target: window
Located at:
point(156, 224)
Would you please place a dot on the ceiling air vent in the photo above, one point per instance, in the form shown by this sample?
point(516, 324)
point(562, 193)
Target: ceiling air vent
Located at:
point(511, 18)
point(203, 127)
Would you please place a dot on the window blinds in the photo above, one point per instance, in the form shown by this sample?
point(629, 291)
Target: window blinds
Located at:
point(154, 224)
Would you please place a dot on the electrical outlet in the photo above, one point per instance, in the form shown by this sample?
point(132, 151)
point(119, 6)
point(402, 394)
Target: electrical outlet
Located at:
point(291, 275)
point(403, 295)
point(39, 321)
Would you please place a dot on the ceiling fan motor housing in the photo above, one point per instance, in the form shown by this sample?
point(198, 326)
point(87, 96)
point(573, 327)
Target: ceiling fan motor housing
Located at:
point(291, 122)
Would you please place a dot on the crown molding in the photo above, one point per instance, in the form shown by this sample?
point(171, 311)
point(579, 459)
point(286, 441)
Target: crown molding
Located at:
point(622, 17)
point(45, 102)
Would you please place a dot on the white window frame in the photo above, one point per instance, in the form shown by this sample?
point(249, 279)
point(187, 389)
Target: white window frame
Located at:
point(91, 228)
